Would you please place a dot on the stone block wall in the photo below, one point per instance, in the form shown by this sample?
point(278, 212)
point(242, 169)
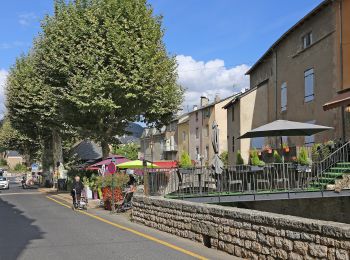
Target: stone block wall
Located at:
point(245, 233)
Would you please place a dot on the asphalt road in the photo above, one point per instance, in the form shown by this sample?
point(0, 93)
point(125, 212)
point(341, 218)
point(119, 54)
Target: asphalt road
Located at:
point(34, 227)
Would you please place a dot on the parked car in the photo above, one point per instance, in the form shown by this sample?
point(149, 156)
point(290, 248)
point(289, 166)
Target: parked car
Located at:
point(4, 183)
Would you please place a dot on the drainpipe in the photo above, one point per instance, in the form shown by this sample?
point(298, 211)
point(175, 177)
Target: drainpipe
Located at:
point(341, 66)
point(276, 89)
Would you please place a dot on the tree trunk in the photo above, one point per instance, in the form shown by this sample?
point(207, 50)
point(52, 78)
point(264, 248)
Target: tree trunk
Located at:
point(105, 149)
point(56, 148)
point(47, 160)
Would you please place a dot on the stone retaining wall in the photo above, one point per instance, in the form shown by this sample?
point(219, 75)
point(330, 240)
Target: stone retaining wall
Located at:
point(245, 233)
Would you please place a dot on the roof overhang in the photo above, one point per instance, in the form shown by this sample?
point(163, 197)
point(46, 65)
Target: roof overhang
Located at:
point(341, 99)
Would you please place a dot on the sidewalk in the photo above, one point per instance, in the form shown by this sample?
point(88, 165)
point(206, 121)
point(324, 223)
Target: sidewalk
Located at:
point(123, 221)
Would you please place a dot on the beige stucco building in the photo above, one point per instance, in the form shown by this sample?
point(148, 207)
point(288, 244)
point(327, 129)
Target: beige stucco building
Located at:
point(200, 123)
point(296, 76)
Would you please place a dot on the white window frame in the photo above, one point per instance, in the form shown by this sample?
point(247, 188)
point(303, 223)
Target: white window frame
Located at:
point(307, 37)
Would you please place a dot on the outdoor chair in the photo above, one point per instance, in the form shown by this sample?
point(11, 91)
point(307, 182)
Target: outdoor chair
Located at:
point(184, 181)
point(235, 181)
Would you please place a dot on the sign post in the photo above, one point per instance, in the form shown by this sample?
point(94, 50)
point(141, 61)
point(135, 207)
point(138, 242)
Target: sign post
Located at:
point(112, 169)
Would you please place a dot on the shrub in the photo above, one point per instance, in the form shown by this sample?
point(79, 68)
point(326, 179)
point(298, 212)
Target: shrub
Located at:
point(119, 180)
point(3, 162)
point(239, 158)
point(254, 159)
point(303, 158)
point(185, 160)
point(277, 158)
point(224, 157)
point(20, 168)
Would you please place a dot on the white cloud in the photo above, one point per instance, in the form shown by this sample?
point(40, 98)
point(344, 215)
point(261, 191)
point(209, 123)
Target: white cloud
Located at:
point(209, 78)
point(3, 77)
point(26, 19)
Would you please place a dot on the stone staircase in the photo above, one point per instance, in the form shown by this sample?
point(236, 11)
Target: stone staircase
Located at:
point(331, 175)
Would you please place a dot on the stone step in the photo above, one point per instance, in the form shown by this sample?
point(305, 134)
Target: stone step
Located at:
point(332, 174)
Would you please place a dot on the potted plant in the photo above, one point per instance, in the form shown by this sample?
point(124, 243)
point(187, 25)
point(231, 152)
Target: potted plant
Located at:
point(255, 161)
point(303, 160)
point(268, 149)
point(277, 158)
point(185, 163)
point(285, 148)
point(239, 158)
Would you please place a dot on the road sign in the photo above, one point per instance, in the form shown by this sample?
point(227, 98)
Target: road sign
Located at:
point(111, 168)
point(35, 167)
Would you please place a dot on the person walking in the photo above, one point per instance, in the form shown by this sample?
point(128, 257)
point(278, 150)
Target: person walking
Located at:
point(77, 189)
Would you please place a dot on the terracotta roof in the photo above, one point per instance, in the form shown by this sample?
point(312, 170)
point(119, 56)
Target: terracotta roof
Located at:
point(342, 99)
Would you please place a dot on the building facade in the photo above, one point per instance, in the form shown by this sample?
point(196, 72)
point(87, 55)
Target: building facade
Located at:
point(296, 76)
point(200, 122)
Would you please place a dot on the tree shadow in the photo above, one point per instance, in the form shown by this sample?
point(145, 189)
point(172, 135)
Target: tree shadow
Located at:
point(16, 231)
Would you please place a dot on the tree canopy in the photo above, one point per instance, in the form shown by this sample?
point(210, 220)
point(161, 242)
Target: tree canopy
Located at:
point(107, 61)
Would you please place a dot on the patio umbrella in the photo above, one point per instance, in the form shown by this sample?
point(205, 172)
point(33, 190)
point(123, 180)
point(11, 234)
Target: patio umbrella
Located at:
point(136, 164)
point(285, 128)
point(117, 160)
point(216, 164)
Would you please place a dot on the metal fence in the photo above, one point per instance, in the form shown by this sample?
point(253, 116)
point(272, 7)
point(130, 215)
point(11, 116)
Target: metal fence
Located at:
point(201, 181)
point(244, 179)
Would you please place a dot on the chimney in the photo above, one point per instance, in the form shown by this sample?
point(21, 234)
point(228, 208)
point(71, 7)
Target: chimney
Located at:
point(217, 98)
point(195, 107)
point(204, 101)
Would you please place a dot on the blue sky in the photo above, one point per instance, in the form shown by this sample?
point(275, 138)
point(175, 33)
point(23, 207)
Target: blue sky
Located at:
point(215, 41)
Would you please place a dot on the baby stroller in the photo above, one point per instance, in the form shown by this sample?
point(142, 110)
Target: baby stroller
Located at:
point(80, 202)
point(126, 203)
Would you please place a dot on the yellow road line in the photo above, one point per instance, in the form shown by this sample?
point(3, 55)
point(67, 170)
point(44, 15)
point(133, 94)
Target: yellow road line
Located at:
point(135, 232)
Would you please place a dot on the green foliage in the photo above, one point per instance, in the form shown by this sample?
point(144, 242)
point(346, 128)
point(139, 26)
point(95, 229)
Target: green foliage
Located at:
point(254, 159)
point(20, 168)
point(119, 180)
point(129, 150)
point(107, 61)
point(3, 162)
point(277, 158)
point(320, 152)
point(303, 158)
point(239, 158)
point(185, 160)
point(11, 139)
point(224, 157)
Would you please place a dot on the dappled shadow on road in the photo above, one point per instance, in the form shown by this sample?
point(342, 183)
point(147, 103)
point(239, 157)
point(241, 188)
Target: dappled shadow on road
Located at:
point(16, 231)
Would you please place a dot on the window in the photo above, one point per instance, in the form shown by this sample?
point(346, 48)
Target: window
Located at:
point(197, 116)
point(233, 143)
point(233, 114)
point(197, 132)
point(309, 85)
point(307, 40)
point(207, 152)
point(284, 96)
point(197, 153)
point(183, 135)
